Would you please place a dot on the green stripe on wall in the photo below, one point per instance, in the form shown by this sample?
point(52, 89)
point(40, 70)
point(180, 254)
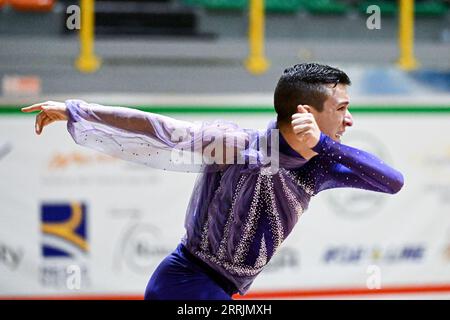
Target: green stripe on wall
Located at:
point(191, 109)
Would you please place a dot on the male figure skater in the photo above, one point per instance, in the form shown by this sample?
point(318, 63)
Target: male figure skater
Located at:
point(239, 212)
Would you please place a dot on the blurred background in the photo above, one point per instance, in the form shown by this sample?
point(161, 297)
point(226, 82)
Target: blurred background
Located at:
point(78, 224)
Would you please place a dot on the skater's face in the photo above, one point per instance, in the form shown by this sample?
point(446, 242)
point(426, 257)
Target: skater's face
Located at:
point(335, 117)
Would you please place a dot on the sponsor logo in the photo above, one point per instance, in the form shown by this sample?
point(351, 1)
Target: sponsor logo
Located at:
point(85, 169)
point(61, 160)
point(353, 255)
point(356, 203)
point(63, 276)
point(64, 245)
point(10, 257)
point(141, 248)
point(64, 230)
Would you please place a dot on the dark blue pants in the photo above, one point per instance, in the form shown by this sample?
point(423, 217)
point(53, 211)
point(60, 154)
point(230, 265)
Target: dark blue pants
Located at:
point(181, 276)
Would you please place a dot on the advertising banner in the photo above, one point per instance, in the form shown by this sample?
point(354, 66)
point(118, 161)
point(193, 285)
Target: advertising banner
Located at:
point(74, 221)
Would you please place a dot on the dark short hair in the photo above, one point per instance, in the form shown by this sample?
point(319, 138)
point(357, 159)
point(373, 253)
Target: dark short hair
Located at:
point(305, 83)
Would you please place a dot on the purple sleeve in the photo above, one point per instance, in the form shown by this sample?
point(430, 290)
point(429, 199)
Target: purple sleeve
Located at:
point(152, 139)
point(338, 165)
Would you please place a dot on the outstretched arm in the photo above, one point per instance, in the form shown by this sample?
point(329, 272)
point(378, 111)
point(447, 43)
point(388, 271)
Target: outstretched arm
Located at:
point(138, 136)
point(126, 119)
point(344, 166)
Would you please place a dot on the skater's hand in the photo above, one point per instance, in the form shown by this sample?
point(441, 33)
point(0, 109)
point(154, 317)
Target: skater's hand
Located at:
point(50, 111)
point(305, 127)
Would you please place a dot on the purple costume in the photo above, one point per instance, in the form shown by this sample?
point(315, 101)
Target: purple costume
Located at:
point(238, 214)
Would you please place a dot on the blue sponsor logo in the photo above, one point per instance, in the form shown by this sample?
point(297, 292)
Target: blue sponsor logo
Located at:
point(361, 254)
point(64, 230)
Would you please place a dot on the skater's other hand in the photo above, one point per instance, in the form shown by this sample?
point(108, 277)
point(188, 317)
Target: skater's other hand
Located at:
point(50, 111)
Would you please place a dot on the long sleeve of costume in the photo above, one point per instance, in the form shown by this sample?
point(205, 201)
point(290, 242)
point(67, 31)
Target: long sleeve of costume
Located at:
point(152, 139)
point(339, 166)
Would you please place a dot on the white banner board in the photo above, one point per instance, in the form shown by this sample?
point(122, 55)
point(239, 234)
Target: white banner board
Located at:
point(76, 222)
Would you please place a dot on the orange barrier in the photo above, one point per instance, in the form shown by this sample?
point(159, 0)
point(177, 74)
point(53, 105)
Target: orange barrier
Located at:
point(32, 5)
point(349, 292)
point(327, 293)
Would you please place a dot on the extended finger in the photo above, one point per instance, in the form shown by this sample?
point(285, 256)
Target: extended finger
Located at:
point(34, 107)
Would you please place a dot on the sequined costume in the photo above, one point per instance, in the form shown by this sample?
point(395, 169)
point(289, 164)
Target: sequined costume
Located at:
point(238, 214)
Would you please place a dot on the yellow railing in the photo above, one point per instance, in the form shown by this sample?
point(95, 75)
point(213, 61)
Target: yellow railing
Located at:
point(256, 61)
point(406, 61)
point(87, 60)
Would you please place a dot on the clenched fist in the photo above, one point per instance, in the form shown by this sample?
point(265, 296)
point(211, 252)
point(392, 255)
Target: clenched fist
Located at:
point(305, 127)
point(50, 111)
